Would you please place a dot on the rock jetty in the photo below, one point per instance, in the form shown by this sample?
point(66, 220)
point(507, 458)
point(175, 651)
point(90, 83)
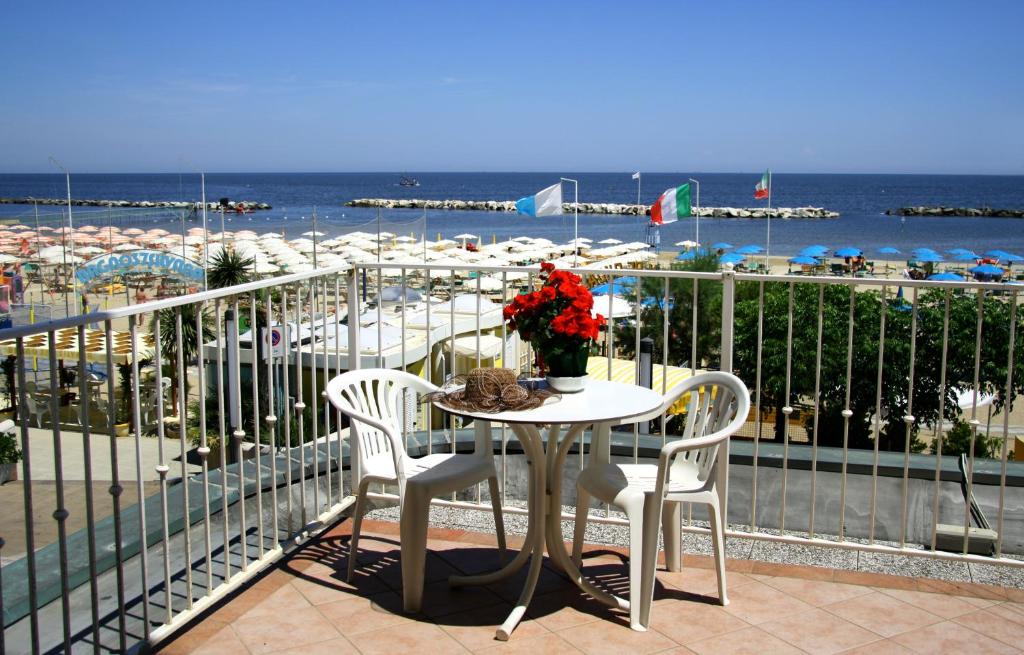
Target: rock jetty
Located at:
point(174, 204)
point(956, 211)
point(591, 208)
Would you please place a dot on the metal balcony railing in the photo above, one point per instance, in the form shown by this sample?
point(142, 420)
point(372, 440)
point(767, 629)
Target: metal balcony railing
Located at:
point(231, 454)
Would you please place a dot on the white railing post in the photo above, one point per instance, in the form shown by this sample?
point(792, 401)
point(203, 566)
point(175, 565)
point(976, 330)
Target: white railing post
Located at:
point(728, 317)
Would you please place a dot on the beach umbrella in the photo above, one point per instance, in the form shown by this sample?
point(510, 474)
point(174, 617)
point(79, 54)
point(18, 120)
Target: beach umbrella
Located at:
point(612, 242)
point(1011, 258)
point(916, 252)
point(466, 235)
point(966, 256)
point(888, 250)
point(958, 251)
point(996, 254)
point(849, 252)
point(616, 307)
point(682, 244)
point(8, 259)
point(927, 257)
point(124, 247)
point(987, 270)
point(814, 251)
point(946, 277)
point(689, 255)
point(803, 260)
point(751, 249)
point(721, 245)
point(619, 286)
point(732, 258)
point(313, 233)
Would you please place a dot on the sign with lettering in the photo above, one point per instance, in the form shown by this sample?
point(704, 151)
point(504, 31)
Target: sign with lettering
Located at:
point(146, 262)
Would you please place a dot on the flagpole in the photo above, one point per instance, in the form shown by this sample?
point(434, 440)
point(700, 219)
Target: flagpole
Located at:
point(696, 219)
point(575, 217)
point(768, 243)
point(206, 231)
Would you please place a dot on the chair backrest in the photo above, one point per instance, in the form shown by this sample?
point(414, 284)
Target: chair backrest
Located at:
point(377, 402)
point(717, 405)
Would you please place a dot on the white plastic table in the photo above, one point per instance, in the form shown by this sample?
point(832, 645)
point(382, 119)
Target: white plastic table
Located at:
point(599, 402)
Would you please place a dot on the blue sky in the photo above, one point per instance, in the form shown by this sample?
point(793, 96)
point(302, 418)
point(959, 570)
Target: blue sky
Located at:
point(928, 87)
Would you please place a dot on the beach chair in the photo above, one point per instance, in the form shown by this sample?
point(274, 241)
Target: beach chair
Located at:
point(717, 405)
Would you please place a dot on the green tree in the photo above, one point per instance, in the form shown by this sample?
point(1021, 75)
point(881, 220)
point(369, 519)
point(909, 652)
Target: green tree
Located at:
point(228, 268)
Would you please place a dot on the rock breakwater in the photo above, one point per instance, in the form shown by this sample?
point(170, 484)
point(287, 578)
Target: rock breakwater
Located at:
point(956, 211)
point(246, 205)
point(591, 208)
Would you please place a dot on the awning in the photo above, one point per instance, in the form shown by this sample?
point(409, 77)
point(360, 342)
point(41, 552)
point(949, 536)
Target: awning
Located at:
point(67, 346)
point(624, 371)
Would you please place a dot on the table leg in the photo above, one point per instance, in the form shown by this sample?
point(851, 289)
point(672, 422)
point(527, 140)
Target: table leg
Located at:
point(555, 540)
point(532, 443)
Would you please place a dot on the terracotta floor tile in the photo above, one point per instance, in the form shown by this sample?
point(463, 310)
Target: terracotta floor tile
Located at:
point(703, 581)
point(475, 629)
point(793, 571)
point(941, 605)
point(354, 615)
point(567, 608)
point(418, 638)
point(283, 599)
point(998, 622)
point(546, 644)
point(471, 559)
point(951, 637)
point(757, 602)
point(235, 606)
point(615, 638)
point(880, 647)
point(686, 622)
point(337, 646)
point(752, 641)
point(816, 592)
point(882, 614)
point(870, 579)
point(441, 599)
point(208, 636)
point(285, 628)
point(818, 631)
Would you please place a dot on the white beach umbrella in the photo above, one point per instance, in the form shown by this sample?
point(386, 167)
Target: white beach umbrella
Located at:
point(125, 247)
point(687, 244)
point(610, 242)
point(313, 233)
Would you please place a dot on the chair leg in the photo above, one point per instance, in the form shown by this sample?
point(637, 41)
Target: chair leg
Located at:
point(580, 527)
point(413, 535)
point(357, 523)
point(499, 519)
point(636, 565)
point(651, 527)
point(718, 544)
point(672, 528)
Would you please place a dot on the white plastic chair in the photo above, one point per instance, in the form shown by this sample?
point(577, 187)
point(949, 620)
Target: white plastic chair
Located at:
point(650, 494)
point(376, 401)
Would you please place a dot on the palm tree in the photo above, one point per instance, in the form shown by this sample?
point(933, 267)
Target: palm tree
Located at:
point(228, 268)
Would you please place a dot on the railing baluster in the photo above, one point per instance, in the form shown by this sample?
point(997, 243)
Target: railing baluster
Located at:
point(26, 492)
point(161, 466)
point(1010, 360)
point(238, 433)
point(115, 490)
point(847, 413)
point(939, 420)
point(974, 417)
point(787, 409)
point(90, 514)
point(271, 417)
point(186, 513)
point(300, 411)
point(60, 512)
point(817, 402)
point(255, 343)
point(204, 444)
point(908, 421)
point(878, 413)
point(757, 406)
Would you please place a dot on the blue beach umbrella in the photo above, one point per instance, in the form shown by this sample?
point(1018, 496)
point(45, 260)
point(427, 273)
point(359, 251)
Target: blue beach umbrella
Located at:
point(996, 254)
point(849, 252)
point(987, 269)
point(803, 260)
point(928, 257)
point(959, 251)
point(690, 255)
point(922, 251)
point(888, 250)
point(610, 289)
point(814, 251)
point(751, 249)
point(721, 245)
point(732, 258)
point(947, 277)
point(966, 256)
point(1012, 258)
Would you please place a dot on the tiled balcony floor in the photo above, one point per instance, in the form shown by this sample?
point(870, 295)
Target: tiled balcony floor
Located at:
point(304, 606)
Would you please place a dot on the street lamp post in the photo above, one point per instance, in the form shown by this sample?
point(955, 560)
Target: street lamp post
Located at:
point(71, 227)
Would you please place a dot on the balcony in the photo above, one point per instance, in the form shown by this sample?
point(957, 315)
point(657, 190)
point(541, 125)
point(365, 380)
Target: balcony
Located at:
point(225, 500)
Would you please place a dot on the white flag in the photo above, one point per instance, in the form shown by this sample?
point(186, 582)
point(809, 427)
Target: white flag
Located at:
point(636, 175)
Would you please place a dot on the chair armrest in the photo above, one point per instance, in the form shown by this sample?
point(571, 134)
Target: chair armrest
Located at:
point(673, 448)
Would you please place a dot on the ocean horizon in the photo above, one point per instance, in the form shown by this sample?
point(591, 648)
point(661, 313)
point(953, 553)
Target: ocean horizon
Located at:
point(861, 199)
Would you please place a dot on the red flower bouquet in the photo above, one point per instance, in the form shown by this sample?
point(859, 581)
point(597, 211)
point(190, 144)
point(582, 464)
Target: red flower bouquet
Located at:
point(557, 320)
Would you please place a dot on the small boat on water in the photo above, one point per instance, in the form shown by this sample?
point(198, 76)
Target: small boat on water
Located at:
point(408, 181)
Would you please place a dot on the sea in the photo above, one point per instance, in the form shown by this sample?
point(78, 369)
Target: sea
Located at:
point(861, 201)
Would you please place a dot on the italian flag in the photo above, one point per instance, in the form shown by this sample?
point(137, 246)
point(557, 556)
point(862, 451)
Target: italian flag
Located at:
point(672, 205)
point(761, 190)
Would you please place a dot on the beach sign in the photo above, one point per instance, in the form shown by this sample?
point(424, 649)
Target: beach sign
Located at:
point(148, 262)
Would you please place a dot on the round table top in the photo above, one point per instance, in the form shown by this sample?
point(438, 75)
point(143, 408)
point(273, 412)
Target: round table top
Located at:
point(600, 401)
